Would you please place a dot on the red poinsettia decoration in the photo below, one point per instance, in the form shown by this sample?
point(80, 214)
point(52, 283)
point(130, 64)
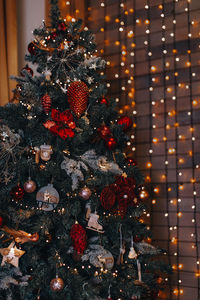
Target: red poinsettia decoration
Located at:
point(122, 192)
point(62, 123)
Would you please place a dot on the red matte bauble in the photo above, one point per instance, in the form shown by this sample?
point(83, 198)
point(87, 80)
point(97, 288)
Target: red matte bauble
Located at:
point(17, 193)
point(109, 298)
point(1, 221)
point(46, 103)
point(77, 95)
point(104, 132)
point(32, 49)
point(126, 122)
point(53, 35)
point(62, 26)
point(104, 101)
point(29, 186)
point(57, 284)
point(29, 70)
point(131, 162)
point(108, 197)
point(111, 143)
point(138, 238)
point(85, 193)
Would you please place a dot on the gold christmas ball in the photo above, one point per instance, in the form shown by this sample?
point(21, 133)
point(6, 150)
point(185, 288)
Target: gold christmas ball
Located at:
point(29, 186)
point(56, 284)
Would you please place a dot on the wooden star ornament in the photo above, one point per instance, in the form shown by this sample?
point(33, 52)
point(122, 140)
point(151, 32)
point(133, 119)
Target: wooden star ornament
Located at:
point(11, 255)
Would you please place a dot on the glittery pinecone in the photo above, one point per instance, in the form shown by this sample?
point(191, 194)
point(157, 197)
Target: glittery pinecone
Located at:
point(77, 94)
point(46, 103)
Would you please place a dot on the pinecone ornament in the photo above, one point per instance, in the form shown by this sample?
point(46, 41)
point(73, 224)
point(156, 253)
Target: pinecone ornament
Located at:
point(77, 94)
point(46, 103)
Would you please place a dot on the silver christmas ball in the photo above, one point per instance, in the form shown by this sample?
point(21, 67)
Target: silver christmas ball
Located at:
point(29, 186)
point(85, 193)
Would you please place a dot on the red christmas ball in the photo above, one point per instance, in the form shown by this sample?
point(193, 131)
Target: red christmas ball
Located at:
point(104, 132)
point(62, 26)
point(131, 162)
point(53, 35)
point(108, 197)
point(138, 238)
point(109, 298)
point(46, 103)
point(29, 70)
point(111, 143)
point(126, 122)
point(1, 221)
point(104, 101)
point(17, 193)
point(32, 49)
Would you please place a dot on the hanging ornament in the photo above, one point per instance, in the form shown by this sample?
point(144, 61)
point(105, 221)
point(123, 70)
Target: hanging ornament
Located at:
point(93, 223)
point(131, 162)
point(29, 186)
point(11, 255)
point(29, 70)
point(77, 94)
point(46, 103)
point(99, 257)
point(48, 237)
point(88, 211)
point(57, 284)
point(104, 132)
point(62, 26)
point(126, 122)
point(21, 236)
point(132, 254)
point(45, 152)
point(108, 197)
point(122, 248)
point(104, 101)
point(85, 193)
point(111, 143)
point(139, 270)
point(32, 49)
point(17, 193)
point(47, 198)
point(53, 35)
point(79, 238)
point(1, 221)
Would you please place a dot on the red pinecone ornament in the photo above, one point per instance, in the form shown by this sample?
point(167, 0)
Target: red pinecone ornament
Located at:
point(77, 94)
point(17, 193)
point(79, 238)
point(126, 122)
point(46, 103)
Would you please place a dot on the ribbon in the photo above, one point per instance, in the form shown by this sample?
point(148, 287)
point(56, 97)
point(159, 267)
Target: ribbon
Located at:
point(62, 123)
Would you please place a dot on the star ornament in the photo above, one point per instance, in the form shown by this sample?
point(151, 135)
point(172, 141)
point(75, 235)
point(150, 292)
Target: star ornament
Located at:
point(11, 255)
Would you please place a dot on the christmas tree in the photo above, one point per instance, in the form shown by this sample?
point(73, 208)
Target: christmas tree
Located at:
point(71, 201)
